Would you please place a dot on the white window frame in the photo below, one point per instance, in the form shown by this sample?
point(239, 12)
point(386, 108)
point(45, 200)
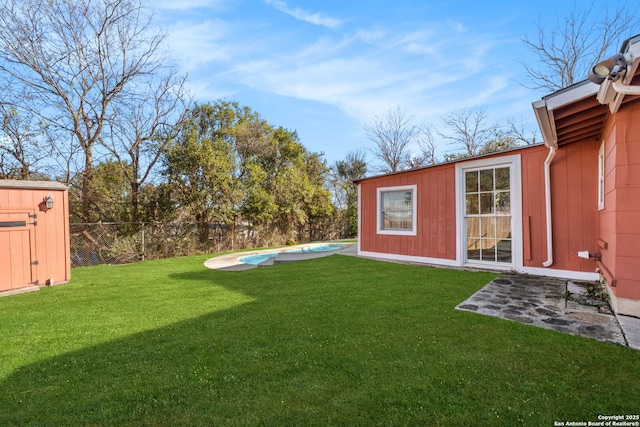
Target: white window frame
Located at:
point(414, 207)
point(601, 177)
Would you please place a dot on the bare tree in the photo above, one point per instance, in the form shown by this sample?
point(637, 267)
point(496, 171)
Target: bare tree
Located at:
point(427, 145)
point(519, 130)
point(468, 131)
point(21, 148)
point(565, 54)
point(145, 122)
point(70, 63)
point(391, 135)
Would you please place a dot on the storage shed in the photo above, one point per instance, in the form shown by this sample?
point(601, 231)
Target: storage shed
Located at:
point(34, 235)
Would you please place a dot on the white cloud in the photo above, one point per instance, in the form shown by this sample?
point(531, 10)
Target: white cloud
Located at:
point(196, 45)
point(422, 49)
point(458, 27)
point(371, 36)
point(302, 15)
point(361, 86)
point(207, 90)
point(364, 72)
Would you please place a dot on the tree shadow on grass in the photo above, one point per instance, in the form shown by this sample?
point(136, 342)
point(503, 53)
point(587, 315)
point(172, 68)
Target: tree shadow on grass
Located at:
point(245, 364)
point(322, 342)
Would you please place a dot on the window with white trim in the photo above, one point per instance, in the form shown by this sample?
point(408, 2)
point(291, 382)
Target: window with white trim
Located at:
point(397, 210)
point(601, 177)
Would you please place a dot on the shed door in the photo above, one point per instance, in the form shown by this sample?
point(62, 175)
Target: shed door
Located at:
point(17, 248)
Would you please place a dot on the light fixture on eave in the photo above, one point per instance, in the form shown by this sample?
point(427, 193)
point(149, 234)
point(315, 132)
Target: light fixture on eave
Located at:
point(609, 74)
point(610, 68)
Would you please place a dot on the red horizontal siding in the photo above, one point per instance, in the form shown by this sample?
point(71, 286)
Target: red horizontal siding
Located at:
point(574, 209)
point(619, 222)
point(436, 223)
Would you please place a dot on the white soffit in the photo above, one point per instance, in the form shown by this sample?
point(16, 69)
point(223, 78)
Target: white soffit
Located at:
point(572, 94)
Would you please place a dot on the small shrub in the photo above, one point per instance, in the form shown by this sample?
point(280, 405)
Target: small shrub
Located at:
point(124, 250)
point(597, 291)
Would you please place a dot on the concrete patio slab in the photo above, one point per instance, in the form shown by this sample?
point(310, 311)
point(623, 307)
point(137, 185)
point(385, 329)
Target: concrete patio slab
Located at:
point(552, 304)
point(631, 328)
point(19, 291)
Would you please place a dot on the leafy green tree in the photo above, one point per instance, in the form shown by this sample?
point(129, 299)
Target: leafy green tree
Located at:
point(346, 193)
point(284, 186)
point(288, 181)
point(229, 166)
point(109, 189)
point(259, 204)
point(256, 158)
point(317, 203)
point(501, 141)
point(157, 203)
point(200, 165)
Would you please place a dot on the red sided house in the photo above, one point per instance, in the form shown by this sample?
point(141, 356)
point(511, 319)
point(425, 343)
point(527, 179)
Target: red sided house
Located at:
point(569, 208)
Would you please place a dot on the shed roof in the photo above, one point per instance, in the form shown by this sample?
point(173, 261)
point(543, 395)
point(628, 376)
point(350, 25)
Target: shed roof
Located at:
point(34, 185)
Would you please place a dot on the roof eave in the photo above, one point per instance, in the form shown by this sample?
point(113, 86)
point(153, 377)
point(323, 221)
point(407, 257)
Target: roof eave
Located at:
point(33, 185)
point(604, 93)
point(543, 108)
point(449, 162)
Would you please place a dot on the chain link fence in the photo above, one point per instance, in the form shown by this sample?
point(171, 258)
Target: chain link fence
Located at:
point(127, 242)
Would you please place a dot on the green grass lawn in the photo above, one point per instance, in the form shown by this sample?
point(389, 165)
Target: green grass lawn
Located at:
point(337, 340)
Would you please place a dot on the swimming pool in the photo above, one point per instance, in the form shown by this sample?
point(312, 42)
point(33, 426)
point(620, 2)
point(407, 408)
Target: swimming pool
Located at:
point(321, 248)
point(257, 259)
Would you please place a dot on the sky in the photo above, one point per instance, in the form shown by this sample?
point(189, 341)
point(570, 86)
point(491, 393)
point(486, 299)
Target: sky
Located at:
point(325, 68)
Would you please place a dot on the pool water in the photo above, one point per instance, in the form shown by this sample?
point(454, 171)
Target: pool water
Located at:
point(257, 259)
point(321, 248)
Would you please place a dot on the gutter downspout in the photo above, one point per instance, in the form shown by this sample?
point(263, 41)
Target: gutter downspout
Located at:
point(550, 141)
point(547, 194)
